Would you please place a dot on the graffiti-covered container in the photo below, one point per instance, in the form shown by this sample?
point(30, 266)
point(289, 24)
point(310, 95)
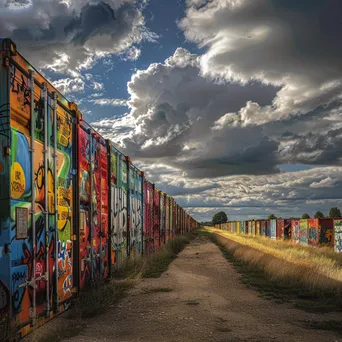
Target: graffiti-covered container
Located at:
point(273, 229)
point(263, 228)
point(280, 229)
point(148, 217)
point(268, 228)
point(287, 229)
point(36, 193)
point(135, 210)
point(303, 232)
point(118, 206)
point(167, 218)
point(93, 203)
point(156, 219)
point(243, 227)
point(238, 227)
point(326, 237)
point(257, 228)
point(295, 231)
point(313, 232)
point(253, 228)
point(338, 235)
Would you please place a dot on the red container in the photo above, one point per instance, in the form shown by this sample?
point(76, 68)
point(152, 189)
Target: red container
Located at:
point(280, 229)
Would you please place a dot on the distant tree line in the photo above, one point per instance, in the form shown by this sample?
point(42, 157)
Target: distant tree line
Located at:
point(221, 217)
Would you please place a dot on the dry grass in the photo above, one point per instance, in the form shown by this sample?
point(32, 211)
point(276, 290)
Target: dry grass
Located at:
point(314, 267)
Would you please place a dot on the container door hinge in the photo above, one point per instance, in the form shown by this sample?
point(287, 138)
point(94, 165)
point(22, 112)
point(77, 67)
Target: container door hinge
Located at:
point(73, 237)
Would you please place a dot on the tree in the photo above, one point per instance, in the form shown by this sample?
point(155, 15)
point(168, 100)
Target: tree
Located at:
point(220, 217)
point(305, 216)
point(271, 217)
point(334, 212)
point(319, 214)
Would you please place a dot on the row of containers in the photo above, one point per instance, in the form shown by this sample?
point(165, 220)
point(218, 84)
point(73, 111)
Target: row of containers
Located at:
point(72, 206)
point(325, 232)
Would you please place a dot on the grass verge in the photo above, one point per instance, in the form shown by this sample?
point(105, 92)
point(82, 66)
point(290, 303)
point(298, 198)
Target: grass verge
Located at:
point(280, 280)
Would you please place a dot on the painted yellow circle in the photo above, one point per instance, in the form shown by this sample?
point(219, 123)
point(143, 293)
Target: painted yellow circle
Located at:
point(18, 181)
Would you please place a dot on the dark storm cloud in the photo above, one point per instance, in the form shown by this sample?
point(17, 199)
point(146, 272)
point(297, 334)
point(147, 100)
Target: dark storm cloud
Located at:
point(83, 30)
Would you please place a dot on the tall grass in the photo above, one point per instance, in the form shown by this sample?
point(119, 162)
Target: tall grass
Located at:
point(315, 267)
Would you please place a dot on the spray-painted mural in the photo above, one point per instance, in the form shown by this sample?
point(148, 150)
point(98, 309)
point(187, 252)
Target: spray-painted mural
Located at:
point(338, 236)
point(93, 189)
point(167, 218)
point(295, 227)
point(135, 190)
point(313, 232)
point(156, 220)
point(162, 218)
point(303, 232)
point(119, 215)
point(148, 217)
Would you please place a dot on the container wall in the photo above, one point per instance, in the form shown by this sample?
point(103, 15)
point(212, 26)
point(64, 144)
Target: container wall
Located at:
point(148, 217)
point(313, 232)
point(287, 229)
point(135, 208)
point(162, 219)
point(280, 229)
point(263, 228)
point(273, 229)
point(167, 218)
point(326, 232)
point(303, 232)
point(118, 206)
point(338, 236)
point(93, 215)
point(257, 228)
point(47, 223)
point(174, 218)
point(156, 220)
point(243, 226)
point(295, 231)
point(5, 165)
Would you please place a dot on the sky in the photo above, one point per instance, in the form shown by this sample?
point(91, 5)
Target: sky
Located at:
point(230, 105)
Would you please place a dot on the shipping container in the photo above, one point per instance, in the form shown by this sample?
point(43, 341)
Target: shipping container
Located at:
point(338, 235)
point(263, 228)
point(253, 230)
point(313, 232)
point(280, 229)
point(118, 193)
point(295, 228)
point(238, 227)
point(93, 205)
point(303, 232)
point(287, 229)
point(257, 228)
point(326, 232)
point(273, 229)
point(37, 163)
point(243, 227)
point(268, 228)
point(167, 218)
point(148, 217)
point(156, 219)
point(135, 210)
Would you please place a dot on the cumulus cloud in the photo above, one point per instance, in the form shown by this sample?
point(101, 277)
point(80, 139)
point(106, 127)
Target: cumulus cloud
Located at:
point(174, 107)
point(278, 43)
point(72, 35)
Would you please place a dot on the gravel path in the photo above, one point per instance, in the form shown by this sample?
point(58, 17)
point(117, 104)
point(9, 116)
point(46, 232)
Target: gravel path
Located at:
point(207, 302)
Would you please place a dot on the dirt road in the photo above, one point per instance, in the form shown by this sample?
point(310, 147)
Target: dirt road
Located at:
point(207, 302)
